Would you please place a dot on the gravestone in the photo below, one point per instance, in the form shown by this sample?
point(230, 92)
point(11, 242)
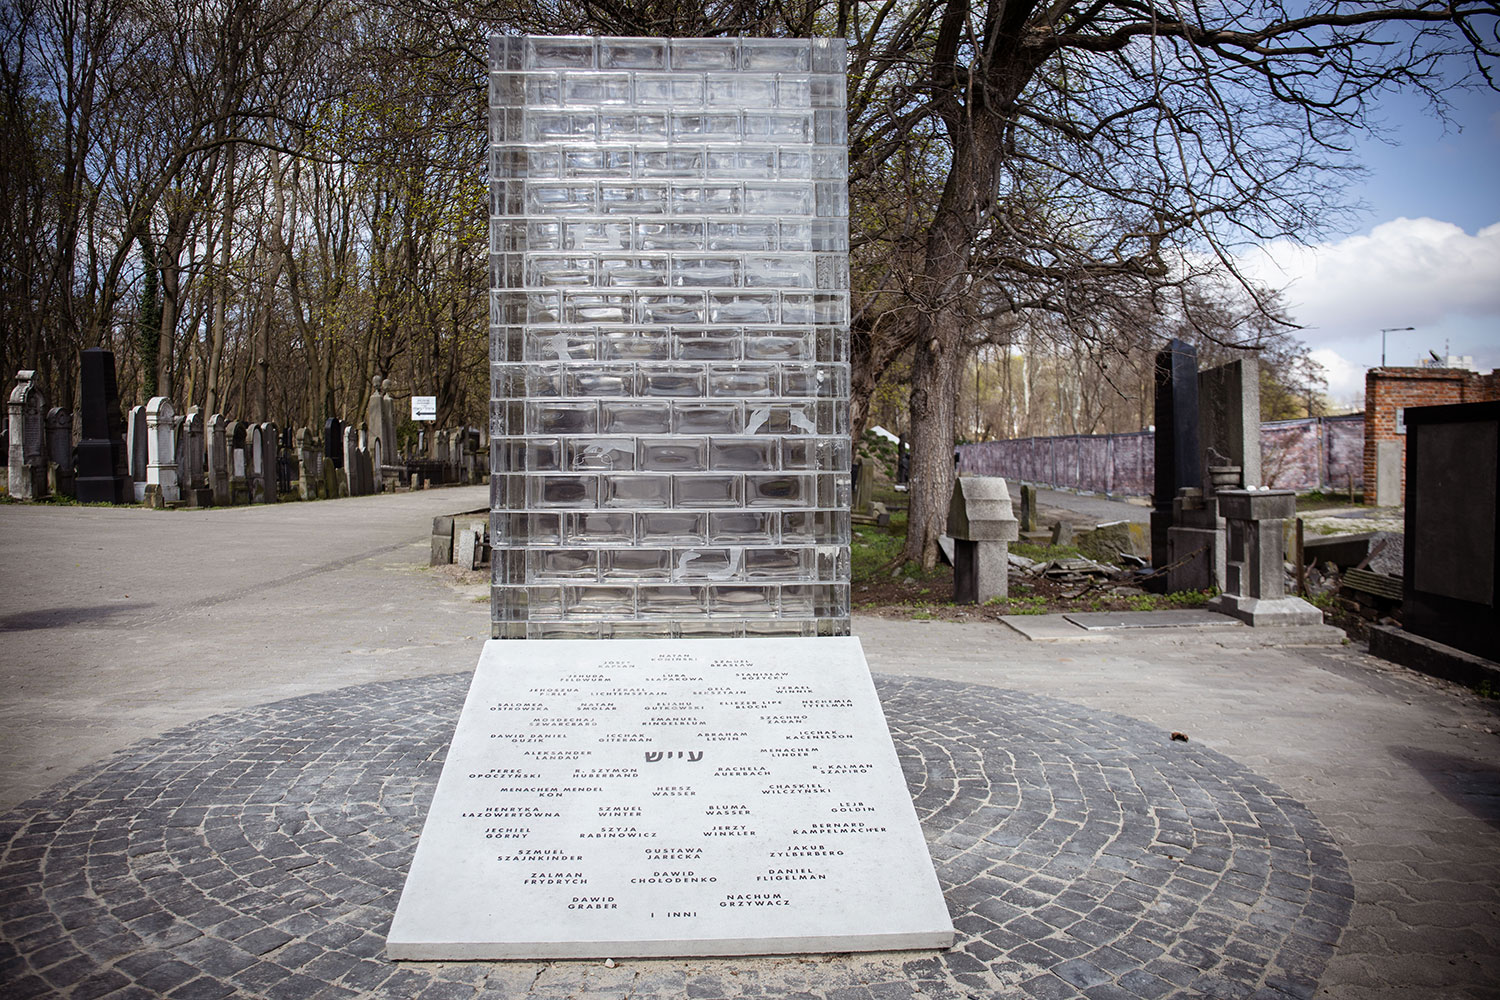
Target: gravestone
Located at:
point(982, 526)
point(1176, 440)
point(333, 457)
point(103, 469)
point(192, 465)
point(648, 798)
point(237, 435)
point(353, 484)
point(1255, 582)
point(308, 476)
point(217, 458)
point(270, 477)
point(161, 450)
point(1450, 582)
point(381, 440)
point(1229, 423)
point(669, 342)
point(137, 450)
point(466, 548)
point(1390, 457)
point(27, 452)
point(60, 452)
point(1028, 507)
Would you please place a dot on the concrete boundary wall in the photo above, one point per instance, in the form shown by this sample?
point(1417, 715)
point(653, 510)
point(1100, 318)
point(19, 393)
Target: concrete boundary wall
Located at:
point(1307, 454)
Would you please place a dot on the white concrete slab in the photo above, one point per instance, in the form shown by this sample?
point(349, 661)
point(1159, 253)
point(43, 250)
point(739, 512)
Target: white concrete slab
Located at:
point(637, 798)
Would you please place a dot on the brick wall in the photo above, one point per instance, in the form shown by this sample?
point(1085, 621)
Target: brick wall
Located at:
point(1388, 390)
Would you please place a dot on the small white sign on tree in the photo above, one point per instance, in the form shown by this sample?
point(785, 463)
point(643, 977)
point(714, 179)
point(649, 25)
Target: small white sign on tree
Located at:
point(424, 407)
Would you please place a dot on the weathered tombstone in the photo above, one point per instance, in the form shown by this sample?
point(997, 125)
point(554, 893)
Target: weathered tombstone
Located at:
point(377, 441)
point(352, 485)
point(466, 548)
point(1176, 441)
point(1028, 507)
point(1451, 560)
point(27, 453)
point(103, 471)
point(333, 456)
point(864, 486)
point(307, 465)
point(161, 450)
point(60, 452)
point(193, 466)
point(237, 435)
point(270, 474)
point(982, 525)
point(217, 458)
point(179, 455)
point(1389, 456)
point(137, 450)
point(1229, 423)
point(1255, 582)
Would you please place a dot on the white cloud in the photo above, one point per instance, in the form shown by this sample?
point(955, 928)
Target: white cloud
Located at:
point(1422, 273)
point(1346, 380)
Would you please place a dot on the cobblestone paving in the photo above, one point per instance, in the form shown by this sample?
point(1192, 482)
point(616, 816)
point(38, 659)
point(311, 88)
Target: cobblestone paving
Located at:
point(261, 853)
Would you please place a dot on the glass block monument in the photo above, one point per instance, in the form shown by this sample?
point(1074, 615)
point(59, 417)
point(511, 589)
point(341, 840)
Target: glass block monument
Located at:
point(669, 338)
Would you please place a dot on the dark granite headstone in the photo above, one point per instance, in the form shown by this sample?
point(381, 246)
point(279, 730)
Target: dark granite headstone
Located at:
point(103, 472)
point(1176, 437)
point(1452, 545)
point(333, 441)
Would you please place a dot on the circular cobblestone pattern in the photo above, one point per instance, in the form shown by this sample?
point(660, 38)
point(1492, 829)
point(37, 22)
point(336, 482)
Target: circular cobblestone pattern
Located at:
point(261, 853)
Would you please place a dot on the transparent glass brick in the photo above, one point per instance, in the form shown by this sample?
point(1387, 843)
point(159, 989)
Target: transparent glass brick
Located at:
point(594, 307)
point(747, 308)
point(595, 89)
point(632, 199)
point(637, 491)
point(625, 126)
point(539, 90)
point(706, 344)
point(542, 234)
point(561, 344)
point(705, 53)
point(562, 491)
point(705, 199)
point(682, 235)
point(672, 454)
point(557, 565)
point(633, 272)
point(705, 127)
point(780, 271)
point(558, 272)
point(603, 527)
point(616, 602)
point(714, 628)
point(632, 53)
point(560, 52)
point(731, 454)
point(561, 126)
point(794, 164)
point(634, 344)
point(742, 235)
point(508, 566)
point(827, 91)
point(779, 490)
point(545, 417)
point(560, 199)
point(676, 308)
point(706, 491)
point(777, 127)
point(616, 381)
point(741, 90)
point(590, 454)
point(743, 381)
point(544, 602)
point(670, 162)
point(830, 126)
point(796, 600)
point(669, 90)
point(673, 527)
point(772, 55)
point(795, 91)
point(738, 601)
point(636, 564)
point(717, 272)
point(707, 418)
point(786, 198)
point(658, 601)
point(797, 346)
point(743, 527)
point(707, 564)
point(782, 564)
point(564, 630)
point(597, 235)
point(636, 630)
point(585, 163)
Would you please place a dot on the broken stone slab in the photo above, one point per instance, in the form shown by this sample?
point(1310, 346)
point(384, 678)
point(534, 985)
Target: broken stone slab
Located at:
point(982, 525)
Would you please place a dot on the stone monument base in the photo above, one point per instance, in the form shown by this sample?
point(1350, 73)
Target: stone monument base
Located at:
point(655, 798)
point(1260, 611)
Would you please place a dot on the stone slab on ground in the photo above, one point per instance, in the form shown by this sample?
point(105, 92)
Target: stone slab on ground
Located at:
point(1176, 618)
point(647, 798)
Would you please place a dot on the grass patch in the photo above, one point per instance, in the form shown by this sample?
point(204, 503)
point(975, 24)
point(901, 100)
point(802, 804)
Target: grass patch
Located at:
point(1318, 500)
point(1045, 553)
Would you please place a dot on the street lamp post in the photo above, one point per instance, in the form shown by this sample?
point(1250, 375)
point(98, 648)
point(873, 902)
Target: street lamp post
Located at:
point(1383, 332)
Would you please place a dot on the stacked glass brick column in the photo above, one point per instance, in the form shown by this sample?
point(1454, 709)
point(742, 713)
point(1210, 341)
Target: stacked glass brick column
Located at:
point(669, 337)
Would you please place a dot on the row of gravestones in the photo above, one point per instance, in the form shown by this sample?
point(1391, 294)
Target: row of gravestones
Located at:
point(160, 457)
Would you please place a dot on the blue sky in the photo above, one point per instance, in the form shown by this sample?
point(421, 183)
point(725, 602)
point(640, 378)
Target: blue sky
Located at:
point(1427, 254)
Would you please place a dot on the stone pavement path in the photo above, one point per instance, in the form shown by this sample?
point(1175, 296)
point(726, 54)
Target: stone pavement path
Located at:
point(280, 684)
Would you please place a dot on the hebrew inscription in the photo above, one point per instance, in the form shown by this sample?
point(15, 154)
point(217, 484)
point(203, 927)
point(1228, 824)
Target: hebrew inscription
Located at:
point(684, 797)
